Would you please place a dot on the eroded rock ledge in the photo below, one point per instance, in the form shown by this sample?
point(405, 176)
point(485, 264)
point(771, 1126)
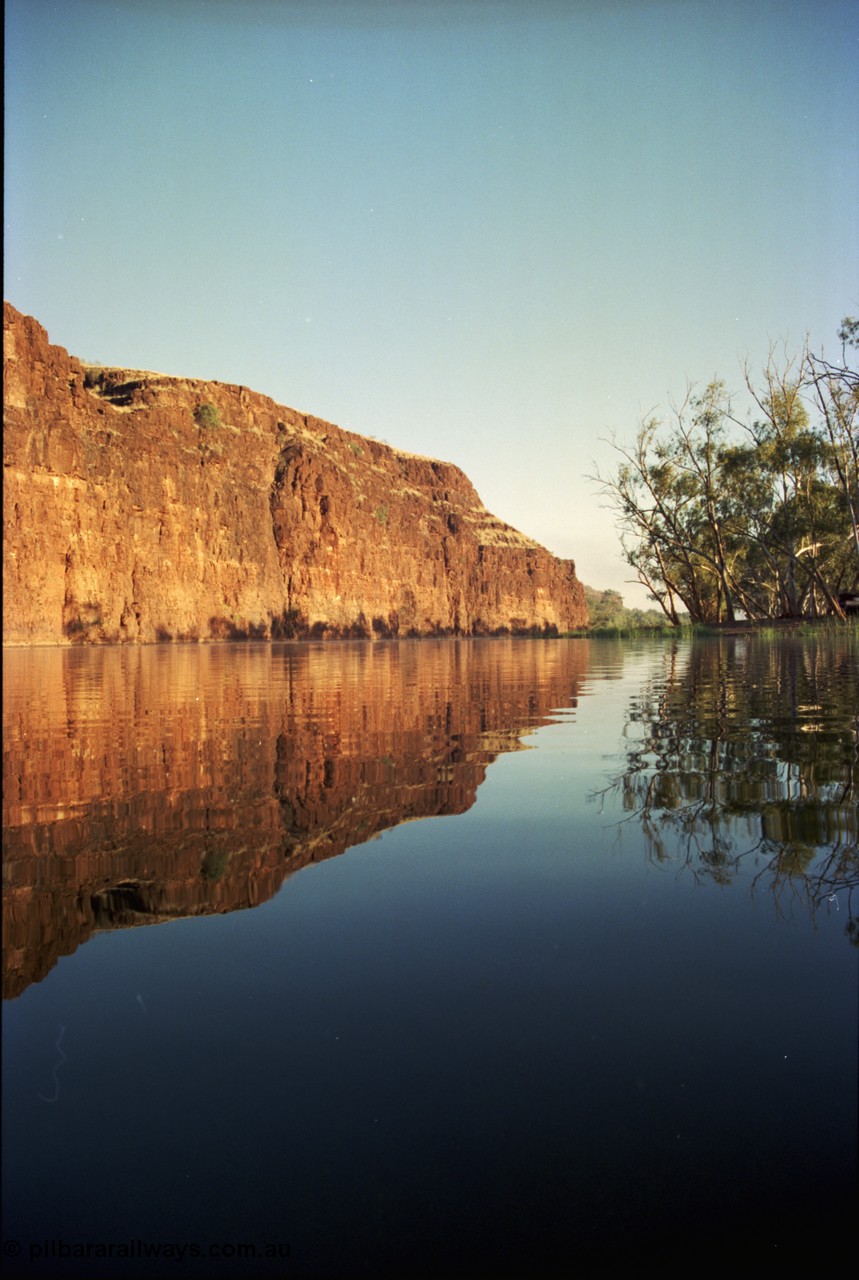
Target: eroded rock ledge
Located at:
point(133, 514)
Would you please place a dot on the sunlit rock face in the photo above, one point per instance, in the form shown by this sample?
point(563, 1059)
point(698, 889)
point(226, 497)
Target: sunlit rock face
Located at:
point(139, 507)
point(147, 784)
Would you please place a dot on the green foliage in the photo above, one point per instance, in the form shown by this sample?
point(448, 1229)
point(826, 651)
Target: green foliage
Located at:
point(848, 333)
point(215, 864)
point(608, 615)
point(356, 448)
point(760, 519)
point(207, 415)
point(382, 514)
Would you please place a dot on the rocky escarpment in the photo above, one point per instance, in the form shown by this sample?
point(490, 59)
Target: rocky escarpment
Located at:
point(139, 507)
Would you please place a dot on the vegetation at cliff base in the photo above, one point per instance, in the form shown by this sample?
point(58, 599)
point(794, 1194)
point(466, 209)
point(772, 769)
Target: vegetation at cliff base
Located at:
point(723, 518)
point(609, 616)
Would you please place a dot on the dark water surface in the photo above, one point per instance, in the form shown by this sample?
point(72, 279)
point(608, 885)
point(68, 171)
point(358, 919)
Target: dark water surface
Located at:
point(600, 1002)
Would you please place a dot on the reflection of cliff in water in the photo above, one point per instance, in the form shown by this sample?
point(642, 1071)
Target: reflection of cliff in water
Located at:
point(145, 785)
point(745, 753)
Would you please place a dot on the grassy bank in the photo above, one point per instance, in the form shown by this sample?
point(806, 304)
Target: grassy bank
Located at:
point(767, 628)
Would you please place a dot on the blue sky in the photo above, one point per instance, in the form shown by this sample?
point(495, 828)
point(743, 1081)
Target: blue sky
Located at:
point(491, 231)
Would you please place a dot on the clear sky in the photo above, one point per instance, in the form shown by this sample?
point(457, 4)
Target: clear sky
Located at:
point(491, 231)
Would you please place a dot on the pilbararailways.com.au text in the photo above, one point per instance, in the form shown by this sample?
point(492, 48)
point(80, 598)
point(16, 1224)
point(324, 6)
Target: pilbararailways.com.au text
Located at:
point(174, 1250)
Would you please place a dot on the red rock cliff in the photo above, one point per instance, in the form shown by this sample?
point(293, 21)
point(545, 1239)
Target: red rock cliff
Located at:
point(130, 515)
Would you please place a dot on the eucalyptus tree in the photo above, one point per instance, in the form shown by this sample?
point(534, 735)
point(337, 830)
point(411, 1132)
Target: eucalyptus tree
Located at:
point(835, 391)
point(720, 515)
point(679, 505)
point(788, 519)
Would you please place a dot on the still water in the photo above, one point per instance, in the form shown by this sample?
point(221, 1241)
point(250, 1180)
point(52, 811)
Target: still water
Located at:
point(428, 958)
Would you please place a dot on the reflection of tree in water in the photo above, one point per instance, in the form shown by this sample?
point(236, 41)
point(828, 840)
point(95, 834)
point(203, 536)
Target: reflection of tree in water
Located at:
point(746, 751)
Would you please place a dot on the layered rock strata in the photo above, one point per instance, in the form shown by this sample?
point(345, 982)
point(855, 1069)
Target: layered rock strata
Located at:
point(139, 507)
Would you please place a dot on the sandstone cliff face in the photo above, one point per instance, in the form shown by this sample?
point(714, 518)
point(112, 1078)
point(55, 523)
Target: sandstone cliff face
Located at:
point(125, 519)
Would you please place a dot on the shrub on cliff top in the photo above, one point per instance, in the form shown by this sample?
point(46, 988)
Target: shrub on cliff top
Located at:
point(207, 415)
